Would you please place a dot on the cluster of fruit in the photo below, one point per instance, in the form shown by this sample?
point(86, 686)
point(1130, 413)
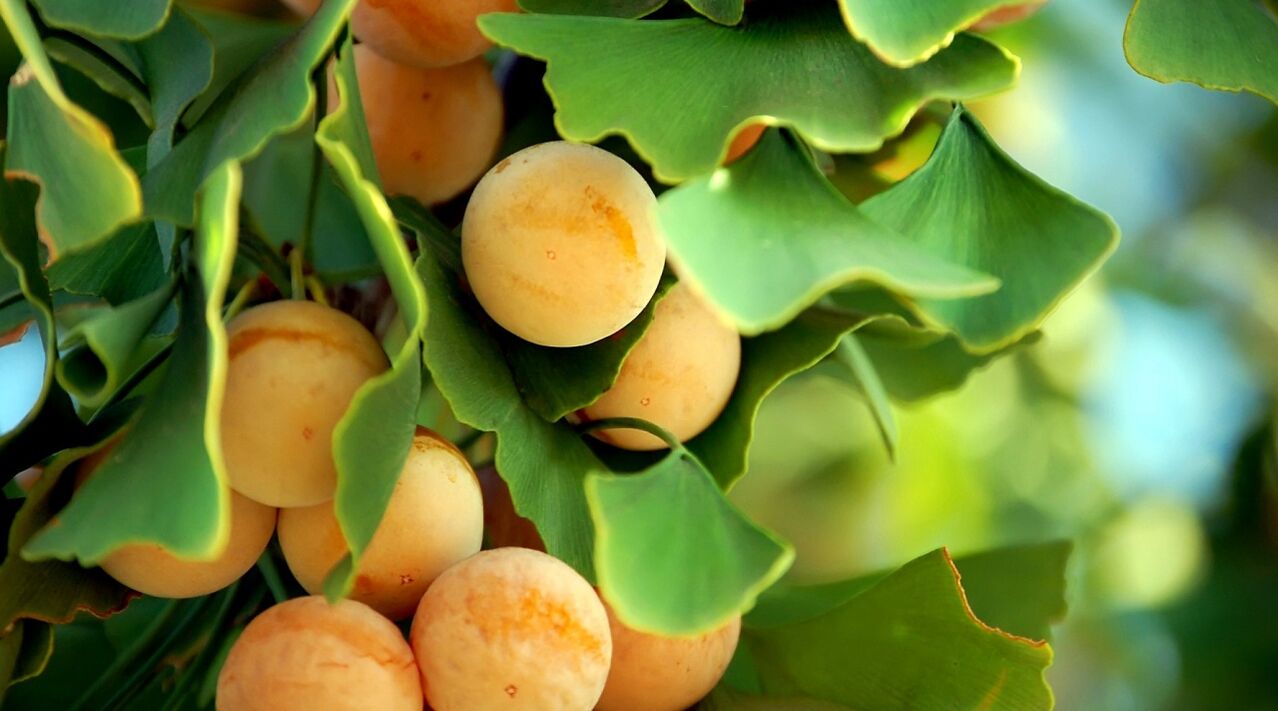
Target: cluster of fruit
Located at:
point(560, 247)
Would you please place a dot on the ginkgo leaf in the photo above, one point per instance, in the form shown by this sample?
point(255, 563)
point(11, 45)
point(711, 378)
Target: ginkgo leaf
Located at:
point(795, 68)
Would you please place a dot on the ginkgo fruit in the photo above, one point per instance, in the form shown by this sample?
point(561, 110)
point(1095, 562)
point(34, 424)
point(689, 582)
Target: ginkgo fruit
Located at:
point(294, 367)
point(655, 673)
point(679, 376)
point(306, 654)
point(152, 570)
point(511, 628)
point(434, 131)
point(425, 33)
point(434, 519)
point(561, 244)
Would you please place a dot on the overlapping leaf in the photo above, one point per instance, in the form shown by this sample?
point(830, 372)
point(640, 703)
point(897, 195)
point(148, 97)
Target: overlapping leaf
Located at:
point(276, 98)
point(126, 20)
point(906, 32)
point(177, 63)
point(166, 482)
point(544, 465)
point(372, 440)
point(107, 77)
point(766, 361)
point(793, 237)
point(88, 191)
point(1225, 44)
point(103, 350)
point(125, 266)
point(909, 640)
point(970, 203)
point(51, 591)
point(673, 556)
point(797, 68)
point(25, 443)
point(726, 12)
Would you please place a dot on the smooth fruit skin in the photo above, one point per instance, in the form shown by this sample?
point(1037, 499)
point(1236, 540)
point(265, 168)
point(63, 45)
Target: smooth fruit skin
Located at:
point(653, 673)
point(434, 131)
point(680, 375)
point(151, 570)
point(515, 629)
point(435, 518)
point(305, 654)
point(561, 244)
point(293, 368)
point(425, 33)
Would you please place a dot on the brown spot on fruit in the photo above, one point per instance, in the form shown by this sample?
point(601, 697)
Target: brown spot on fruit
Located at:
point(504, 164)
point(416, 156)
point(550, 254)
point(307, 433)
point(616, 220)
point(511, 690)
point(646, 401)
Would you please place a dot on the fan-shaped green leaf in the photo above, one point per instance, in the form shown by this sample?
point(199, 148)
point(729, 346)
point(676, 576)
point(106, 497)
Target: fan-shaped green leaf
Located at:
point(102, 351)
point(793, 237)
point(25, 443)
point(629, 9)
point(544, 464)
point(1230, 45)
point(166, 482)
point(673, 556)
point(88, 191)
point(276, 98)
point(909, 640)
point(127, 20)
point(372, 440)
point(125, 266)
point(906, 32)
point(794, 68)
point(972, 204)
point(177, 63)
point(766, 361)
point(51, 591)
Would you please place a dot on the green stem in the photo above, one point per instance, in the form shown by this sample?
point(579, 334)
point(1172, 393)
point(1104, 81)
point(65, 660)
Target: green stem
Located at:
point(633, 423)
point(189, 680)
point(130, 657)
point(241, 298)
point(266, 566)
point(263, 256)
point(296, 277)
point(150, 665)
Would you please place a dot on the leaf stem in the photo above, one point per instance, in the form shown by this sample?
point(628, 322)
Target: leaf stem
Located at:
point(130, 656)
point(242, 297)
point(266, 566)
point(633, 423)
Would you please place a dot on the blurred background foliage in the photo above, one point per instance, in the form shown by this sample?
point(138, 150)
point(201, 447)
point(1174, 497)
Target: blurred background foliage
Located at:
point(1141, 425)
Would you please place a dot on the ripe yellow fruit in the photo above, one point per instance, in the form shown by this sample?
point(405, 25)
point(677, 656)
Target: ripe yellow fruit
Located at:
point(680, 375)
point(652, 673)
point(513, 629)
point(435, 518)
point(434, 131)
point(293, 368)
point(425, 33)
point(561, 244)
point(306, 654)
point(151, 570)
